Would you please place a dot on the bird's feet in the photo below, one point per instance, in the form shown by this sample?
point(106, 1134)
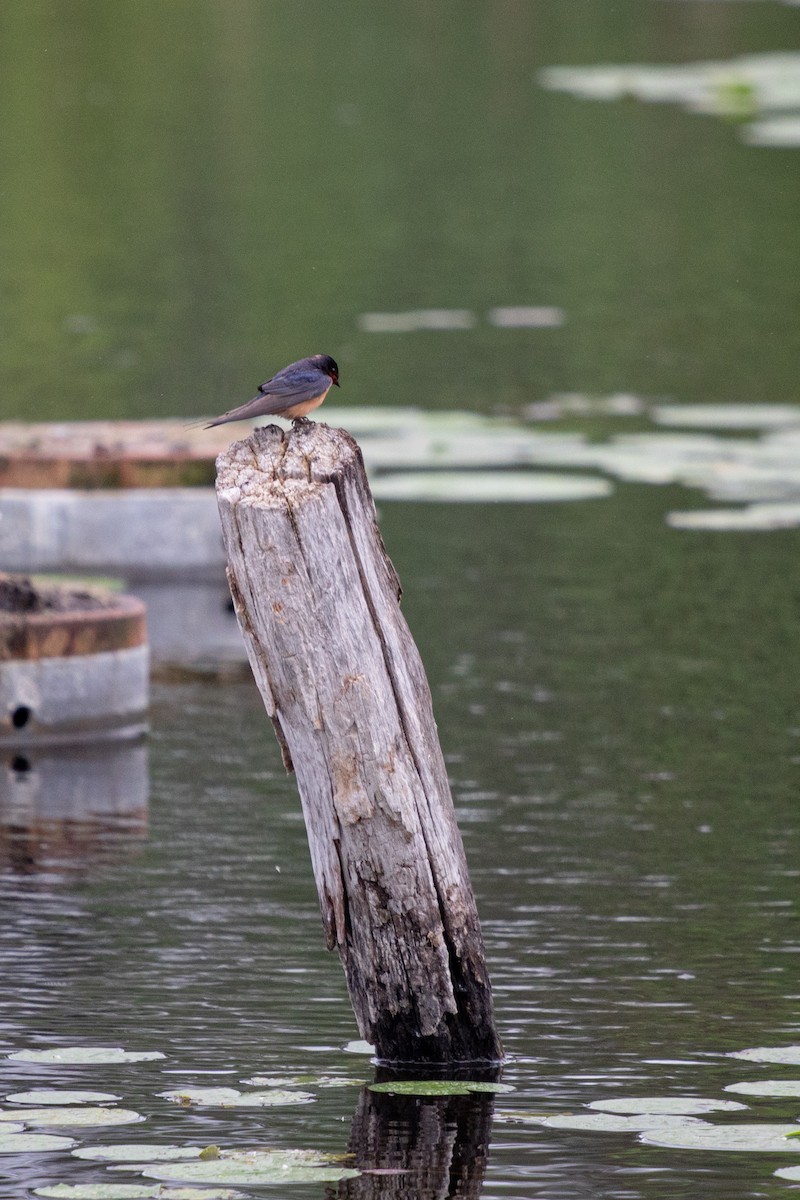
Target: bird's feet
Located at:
point(300, 421)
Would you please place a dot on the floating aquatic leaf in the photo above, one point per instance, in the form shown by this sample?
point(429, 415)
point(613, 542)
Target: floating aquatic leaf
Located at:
point(232, 1098)
point(75, 1116)
point(520, 1114)
point(416, 319)
point(190, 1193)
point(675, 1105)
point(222, 1172)
point(357, 1046)
point(132, 1191)
point(727, 416)
point(199, 1095)
point(45, 1097)
point(481, 486)
point(85, 1054)
point(97, 1191)
point(127, 1167)
point(30, 1143)
point(766, 1087)
point(770, 1054)
point(756, 517)
point(765, 1137)
point(602, 1122)
point(272, 1098)
point(141, 1152)
point(777, 131)
point(256, 1167)
point(526, 317)
point(323, 1081)
point(438, 1087)
point(737, 88)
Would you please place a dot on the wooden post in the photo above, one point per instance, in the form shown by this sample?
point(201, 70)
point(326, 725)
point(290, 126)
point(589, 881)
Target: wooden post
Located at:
point(317, 599)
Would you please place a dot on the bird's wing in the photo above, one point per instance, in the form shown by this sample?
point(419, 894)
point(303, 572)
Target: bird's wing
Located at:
point(292, 385)
point(284, 390)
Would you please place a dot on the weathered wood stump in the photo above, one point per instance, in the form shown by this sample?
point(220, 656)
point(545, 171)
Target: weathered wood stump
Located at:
point(318, 603)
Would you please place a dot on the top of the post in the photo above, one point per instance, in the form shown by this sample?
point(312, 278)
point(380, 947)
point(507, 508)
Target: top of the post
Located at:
point(310, 451)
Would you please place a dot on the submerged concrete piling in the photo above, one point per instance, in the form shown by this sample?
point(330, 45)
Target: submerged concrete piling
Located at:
point(317, 600)
point(73, 664)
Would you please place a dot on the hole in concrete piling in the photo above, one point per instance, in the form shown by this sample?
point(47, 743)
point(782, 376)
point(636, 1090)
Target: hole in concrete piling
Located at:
point(20, 716)
point(20, 764)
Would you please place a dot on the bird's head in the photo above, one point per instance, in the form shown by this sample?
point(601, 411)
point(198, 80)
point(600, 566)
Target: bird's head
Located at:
point(327, 364)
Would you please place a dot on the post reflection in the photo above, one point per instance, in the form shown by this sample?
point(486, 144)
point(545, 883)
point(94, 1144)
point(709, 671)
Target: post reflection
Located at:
point(72, 808)
point(420, 1147)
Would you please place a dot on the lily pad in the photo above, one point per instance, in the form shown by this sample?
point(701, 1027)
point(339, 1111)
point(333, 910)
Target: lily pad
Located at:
point(770, 1054)
point(777, 131)
point(480, 486)
point(97, 1191)
point(75, 1116)
point(737, 89)
point(766, 1087)
point(358, 1046)
point(416, 319)
point(438, 1087)
point(31, 1143)
point(252, 1175)
point(323, 1081)
point(273, 1098)
point(727, 416)
point(231, 1098)
point(602, 1122)
point(766, 1137)
point(131, 1191)
point(753, 517)
point(253, 1167)
point(199, 1095)
point(671, 1105)
point(190, 1193)
point(518, 316)
point(45, 1097)
point(141, 1152)
point(85, 1054)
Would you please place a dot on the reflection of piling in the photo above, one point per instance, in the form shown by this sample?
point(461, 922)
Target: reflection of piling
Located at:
point(341, 678)
point(437, 1147)
point(70, 809)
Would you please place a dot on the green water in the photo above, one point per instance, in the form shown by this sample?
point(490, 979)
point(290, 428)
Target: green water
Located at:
point(194, 193)
point(618, 706)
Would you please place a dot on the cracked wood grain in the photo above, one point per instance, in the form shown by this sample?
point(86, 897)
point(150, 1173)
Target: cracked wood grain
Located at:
point(317, 600)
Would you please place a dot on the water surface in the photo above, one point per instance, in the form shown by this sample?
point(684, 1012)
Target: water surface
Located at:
point(621, 730)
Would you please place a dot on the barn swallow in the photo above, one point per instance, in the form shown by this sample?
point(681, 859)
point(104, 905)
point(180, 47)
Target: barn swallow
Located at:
point(293, 392)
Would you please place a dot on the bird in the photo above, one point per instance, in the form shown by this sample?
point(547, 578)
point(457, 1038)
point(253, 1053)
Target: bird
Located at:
point(293, 392)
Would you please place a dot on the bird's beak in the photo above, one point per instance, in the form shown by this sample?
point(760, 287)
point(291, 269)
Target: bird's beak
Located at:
point(336, 380)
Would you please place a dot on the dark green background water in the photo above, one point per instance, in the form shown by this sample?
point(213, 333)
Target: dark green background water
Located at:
point(194, 193)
